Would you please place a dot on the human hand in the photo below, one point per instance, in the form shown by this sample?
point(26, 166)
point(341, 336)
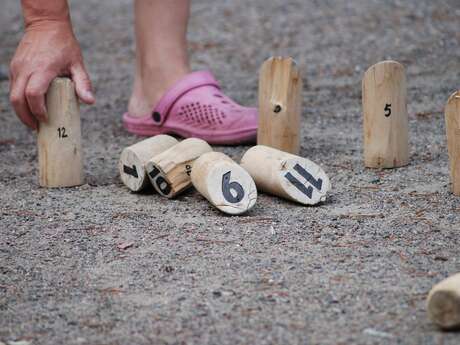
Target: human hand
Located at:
point(47, 50)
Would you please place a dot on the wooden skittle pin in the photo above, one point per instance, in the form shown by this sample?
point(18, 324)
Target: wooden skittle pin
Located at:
point(453, 139)
point(59, 139)
point(133, 159)
point(286, 175)
point(386, 142)
point(224, 183)
point(444, 303)
point(280, 105)
point(169, 172)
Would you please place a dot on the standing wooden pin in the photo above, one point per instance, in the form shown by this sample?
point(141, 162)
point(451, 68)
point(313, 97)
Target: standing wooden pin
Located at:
point(169, 172)
point(224, 183)
point(286, 175)
point(386, 143)
point(59, 139)
point(280, 105)
point(453, 139)
point(133, 159)
point(444, 303)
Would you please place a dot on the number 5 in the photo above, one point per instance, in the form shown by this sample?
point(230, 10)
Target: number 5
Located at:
point(388, 110)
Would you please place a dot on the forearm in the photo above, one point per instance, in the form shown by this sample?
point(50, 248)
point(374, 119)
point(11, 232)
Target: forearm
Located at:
point(36, 12)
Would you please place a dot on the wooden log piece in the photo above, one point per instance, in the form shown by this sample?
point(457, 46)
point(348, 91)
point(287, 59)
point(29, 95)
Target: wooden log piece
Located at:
point(59, 138)
point(453, 139)
point(286, 175)
point(169, 172)
point(280, 104)
point(224, 183)
point(133, 159)
point(444, 303)
point(386, 143)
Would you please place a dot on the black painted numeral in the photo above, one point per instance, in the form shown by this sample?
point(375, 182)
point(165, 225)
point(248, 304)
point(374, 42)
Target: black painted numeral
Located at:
point(227, 188)
point(188, 169)
point(61, 132)
point(388, 110)
point(130, 171)
point(308, 191)
point(160, 182)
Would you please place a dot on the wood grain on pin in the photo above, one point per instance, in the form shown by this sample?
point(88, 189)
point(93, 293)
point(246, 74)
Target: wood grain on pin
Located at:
point(280, 104)
point(169, 172)
point(444, 303)
point(224, 183)
point(286, 175)
point(453, 139)
point(59, 139)
point(133, 159)
point(386, 143)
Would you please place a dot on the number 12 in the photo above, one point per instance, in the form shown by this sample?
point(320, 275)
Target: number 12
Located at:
point(61, 132)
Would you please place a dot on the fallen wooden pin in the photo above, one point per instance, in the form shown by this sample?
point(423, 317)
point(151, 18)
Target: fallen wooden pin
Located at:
point(59, 139)
point(386, 142)
point(444, 303)
point(280, 104)
point(133, 159)
point(169, 172)
point(453, 139)
point(286, 175)
point(224, 183)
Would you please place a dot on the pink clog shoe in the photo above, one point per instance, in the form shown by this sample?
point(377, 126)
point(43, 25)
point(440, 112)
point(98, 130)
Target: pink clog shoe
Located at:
point(196, 107)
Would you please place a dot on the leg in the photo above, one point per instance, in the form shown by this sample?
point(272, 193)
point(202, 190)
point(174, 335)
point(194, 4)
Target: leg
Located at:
point(161, 50)
point(195, 105)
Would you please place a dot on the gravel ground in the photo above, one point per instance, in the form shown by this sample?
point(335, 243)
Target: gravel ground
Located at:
point(355, 270)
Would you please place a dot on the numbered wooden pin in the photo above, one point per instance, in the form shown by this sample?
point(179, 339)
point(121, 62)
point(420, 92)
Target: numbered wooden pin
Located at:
point(133, 159)
point(444, 303)
point(59, 139)
point(280, 104)
point(286, 175)
point(386, 143)
point(224, 183)
point(169, 172)
point(453, 139)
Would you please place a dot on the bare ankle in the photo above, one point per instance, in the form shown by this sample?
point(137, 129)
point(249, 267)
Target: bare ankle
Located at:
point(150, 87)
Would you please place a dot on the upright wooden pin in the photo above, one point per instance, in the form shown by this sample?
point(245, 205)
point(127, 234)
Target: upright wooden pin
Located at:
point(59, 139)
point(286, 175)
point(133, 159)
point(224, 183)
point(453, 139)
point(280, 105)
point(386, 143)
point(169, 172)
point(444, 303)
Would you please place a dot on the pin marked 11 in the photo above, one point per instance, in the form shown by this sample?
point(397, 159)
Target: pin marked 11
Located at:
point(286, 175)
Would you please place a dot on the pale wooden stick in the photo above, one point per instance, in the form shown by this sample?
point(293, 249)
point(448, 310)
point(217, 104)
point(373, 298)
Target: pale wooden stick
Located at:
point(286, 175)
point(386, 142)
point(444, 303)
point(59, 139)
point(453, 139)
point(224, 183)
point(280, 105)
point(133, 159)
point(169, 172)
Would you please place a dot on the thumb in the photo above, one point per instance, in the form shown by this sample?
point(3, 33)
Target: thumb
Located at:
point(82, 84)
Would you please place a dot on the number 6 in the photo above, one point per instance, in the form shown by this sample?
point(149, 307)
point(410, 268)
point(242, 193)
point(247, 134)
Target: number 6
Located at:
point(227, 186)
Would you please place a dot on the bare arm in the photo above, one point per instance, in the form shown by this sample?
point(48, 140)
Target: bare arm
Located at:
point(48, 49)
point(36, 12)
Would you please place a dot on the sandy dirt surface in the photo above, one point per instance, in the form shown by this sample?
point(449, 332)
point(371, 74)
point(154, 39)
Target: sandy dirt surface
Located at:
point(355, 270)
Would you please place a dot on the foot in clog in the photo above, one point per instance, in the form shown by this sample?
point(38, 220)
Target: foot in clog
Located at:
point(196, 107)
